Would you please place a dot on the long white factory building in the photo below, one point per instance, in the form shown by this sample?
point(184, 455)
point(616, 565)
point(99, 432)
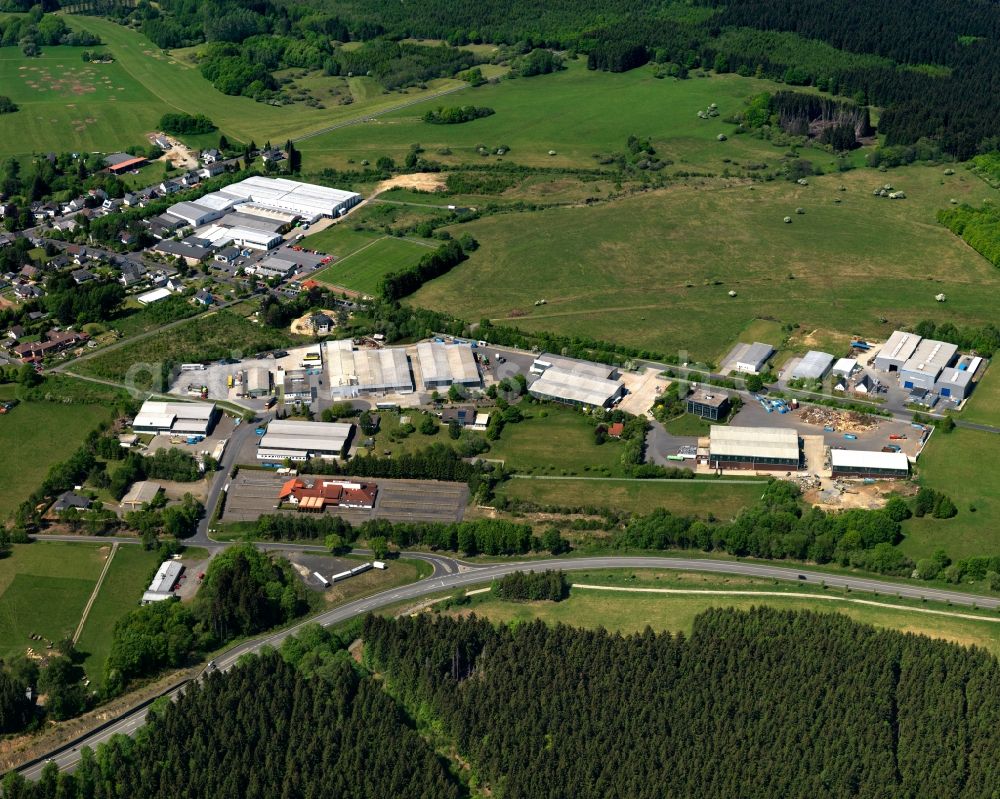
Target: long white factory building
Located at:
point(299, 441)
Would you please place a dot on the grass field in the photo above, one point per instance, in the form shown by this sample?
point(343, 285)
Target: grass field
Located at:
point(363, 268)
point(212, 335)
point(155, 82)
point(984, 404)
point(961, 465)
point(68, 105)
point(562, 112)
point(35, 436)
point(630, 613)
point(655, 270)
point(43, 589)
point(556, 440)
point(121, 590)
point(686, 497)
point(688, 425)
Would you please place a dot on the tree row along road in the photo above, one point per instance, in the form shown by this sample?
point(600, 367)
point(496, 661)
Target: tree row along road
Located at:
point(460, 575)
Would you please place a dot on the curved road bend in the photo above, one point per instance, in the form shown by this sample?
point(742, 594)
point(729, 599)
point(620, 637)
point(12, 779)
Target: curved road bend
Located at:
point(67, 757)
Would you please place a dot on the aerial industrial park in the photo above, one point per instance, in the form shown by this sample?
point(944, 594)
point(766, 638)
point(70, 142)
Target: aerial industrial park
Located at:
point(501, 399)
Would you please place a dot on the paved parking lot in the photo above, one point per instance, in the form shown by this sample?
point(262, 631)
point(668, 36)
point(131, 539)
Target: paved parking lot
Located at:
point(255, 493)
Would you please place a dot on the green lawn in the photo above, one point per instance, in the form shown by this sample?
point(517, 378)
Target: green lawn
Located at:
point(984, 404)
point(556, 440)
point(364, 268)
point(43, 589)
point(688, 497)
point(688, 425)
point(962, 465)
point(576, 113)
point(340, 240)
point(127, 578)
point(389, 425)
point(631, 613)
point(655, 270)
point(34, 436)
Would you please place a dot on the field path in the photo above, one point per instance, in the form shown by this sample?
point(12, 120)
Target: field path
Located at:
point(95, 592)
point(794, 594)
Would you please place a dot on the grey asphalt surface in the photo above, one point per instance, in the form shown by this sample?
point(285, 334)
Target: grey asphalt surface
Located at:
point(464, 575)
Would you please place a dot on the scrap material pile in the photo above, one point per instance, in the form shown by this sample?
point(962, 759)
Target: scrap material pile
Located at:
point(840, 421)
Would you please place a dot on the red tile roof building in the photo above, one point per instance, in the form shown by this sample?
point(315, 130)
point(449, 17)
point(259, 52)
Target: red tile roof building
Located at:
point(322, 494)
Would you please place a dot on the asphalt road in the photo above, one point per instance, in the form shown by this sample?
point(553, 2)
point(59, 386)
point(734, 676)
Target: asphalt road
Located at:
point(460, 575)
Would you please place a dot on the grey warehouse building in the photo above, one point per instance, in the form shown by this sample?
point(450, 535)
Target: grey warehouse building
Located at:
point(750, 358)
point(299, 441)
point(896, 351)
point(773, 449)
point(352, 372)
point(927, 362)
point(575, 382)
point(441, 365)
point(813, 365)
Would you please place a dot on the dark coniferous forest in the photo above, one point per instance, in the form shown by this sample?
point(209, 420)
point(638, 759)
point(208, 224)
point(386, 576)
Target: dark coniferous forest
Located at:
point(756, 704)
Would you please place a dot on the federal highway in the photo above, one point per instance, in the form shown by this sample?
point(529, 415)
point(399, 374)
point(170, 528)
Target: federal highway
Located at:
point(450, 574)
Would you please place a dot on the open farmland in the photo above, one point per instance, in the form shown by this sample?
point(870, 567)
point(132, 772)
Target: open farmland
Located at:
point(363, 269)
point(43, 589)
point(655, 270)
point(67, 104)
point(155, 82)
point(576, 113)
point(34, 436)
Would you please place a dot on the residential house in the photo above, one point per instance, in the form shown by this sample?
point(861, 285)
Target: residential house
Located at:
point(203, 297)
point(8, 209)
point(82, 276)
point(54, 341)
point(15, 332)
point(169, 187)
point(29, 272)
point(130, 199)
point(111, 204)
point(272, 155)
point(211, 170)
point(210, 156)
point(70, 499)
point(28, 292)
point(132, 275)
point(321, 324)
point(190, 179)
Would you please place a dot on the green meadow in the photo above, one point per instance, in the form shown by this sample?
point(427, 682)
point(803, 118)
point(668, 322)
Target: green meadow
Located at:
point(362, 270)
point(576, 113)
point(656, 270)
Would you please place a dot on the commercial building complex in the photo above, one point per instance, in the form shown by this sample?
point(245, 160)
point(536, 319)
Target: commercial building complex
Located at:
point(755, 448)
point(712, 405)
point(442, 365)
point(922, 368)
point(299, 441)
point(320, 494)
point(859, 463)
point(352, 371)
point(575, 382)
point(187, 418)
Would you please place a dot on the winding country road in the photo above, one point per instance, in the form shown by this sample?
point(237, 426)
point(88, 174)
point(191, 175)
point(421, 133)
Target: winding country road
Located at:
point(450, 574)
